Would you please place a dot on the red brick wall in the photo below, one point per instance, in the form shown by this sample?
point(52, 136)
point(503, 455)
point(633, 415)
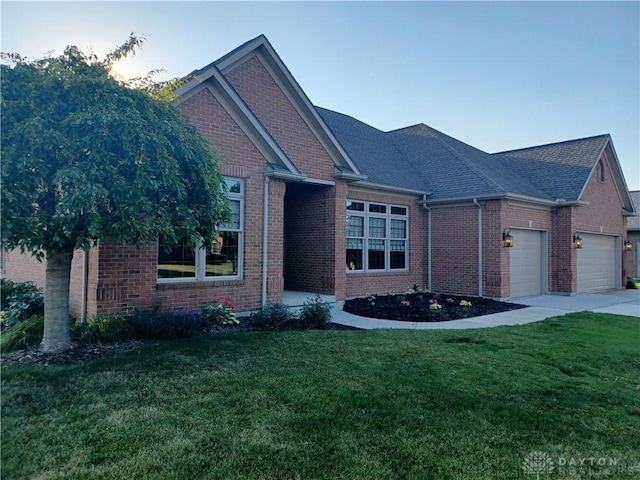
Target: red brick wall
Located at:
point(630, 257)
point(267, 101)
point(455, 249)
point(360, 283)
point(495, 257)
point(308, 240)
point(604, 212)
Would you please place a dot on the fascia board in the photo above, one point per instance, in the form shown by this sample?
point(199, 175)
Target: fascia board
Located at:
point(508, 196)
point(368, 186)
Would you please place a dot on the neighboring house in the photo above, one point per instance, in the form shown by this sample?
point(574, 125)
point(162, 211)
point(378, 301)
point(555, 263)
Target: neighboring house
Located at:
point(632, 246)
point(325, 203)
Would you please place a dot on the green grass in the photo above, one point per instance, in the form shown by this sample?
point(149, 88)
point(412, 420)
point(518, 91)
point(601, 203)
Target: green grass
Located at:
point(335, 404)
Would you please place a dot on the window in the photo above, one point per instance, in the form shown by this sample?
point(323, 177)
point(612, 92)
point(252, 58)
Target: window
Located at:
point(220, 259)
point(376, 237)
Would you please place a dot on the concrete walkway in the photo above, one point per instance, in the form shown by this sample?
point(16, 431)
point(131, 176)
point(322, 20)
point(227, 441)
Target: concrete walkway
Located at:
point(619, 302)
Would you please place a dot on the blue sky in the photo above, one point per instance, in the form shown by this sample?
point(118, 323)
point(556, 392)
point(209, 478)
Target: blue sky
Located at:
point(497, 75)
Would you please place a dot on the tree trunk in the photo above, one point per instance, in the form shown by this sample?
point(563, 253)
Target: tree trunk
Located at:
point(56, 302)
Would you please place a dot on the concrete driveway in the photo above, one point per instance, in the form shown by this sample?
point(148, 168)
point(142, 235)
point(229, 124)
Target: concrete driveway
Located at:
point(619, 302)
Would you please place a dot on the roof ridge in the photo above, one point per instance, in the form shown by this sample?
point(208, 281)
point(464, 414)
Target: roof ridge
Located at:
point(564, 142)
point(471, 165)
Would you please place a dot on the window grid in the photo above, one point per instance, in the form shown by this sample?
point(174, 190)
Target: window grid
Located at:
point(386, 240)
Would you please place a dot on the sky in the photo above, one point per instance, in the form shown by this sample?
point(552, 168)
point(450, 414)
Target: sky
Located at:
point(496, 75)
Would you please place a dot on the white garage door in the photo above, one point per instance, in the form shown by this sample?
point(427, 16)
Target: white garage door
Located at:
point(526, 263)
point(596, 263)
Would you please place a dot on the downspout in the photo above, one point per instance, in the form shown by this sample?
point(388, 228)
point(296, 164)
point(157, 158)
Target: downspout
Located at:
point(265, 241)
point(429, 267)
point(475, 202)
point(85, 286)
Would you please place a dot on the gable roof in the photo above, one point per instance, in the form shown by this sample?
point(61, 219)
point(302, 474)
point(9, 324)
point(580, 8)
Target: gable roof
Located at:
point(260, 46)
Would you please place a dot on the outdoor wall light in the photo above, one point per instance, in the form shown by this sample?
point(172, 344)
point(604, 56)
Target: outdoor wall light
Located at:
point(507, 239)
point(628, 245)
point(577, 241)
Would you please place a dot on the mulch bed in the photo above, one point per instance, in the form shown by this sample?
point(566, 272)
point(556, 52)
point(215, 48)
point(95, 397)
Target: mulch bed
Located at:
point(84, 352)
point(415, 307)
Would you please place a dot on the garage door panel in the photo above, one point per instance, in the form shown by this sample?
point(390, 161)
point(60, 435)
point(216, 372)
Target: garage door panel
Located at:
point(596, 263)
point(526, 263)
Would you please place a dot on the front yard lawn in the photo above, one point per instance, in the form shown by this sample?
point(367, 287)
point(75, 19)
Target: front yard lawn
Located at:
point(468, 404)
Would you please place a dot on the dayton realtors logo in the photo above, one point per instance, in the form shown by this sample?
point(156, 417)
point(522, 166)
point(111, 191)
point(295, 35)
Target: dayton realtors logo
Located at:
point(542, 466)
point(538, 464)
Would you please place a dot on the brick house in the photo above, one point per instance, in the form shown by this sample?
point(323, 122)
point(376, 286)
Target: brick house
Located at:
point(324, 203)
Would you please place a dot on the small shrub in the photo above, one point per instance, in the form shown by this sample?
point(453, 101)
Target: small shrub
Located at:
point(20, 301)
point(316, 313)
point(7, 288)
point(106, 329)
point(270, 317)
point(370, 297)
point(220, 313)
point(154, 324)
point(465, 303)
point(26, 334)
point(435, 306)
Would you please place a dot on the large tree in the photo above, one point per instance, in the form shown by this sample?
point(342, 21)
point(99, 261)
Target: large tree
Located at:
point(86, 157)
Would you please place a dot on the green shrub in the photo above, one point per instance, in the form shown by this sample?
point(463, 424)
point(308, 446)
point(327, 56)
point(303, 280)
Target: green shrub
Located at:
point(20, 301)
point(106, 329)
point(7, 288)
point(316, 313)
point(270, 317)
point(155, 324)
point(26, 334)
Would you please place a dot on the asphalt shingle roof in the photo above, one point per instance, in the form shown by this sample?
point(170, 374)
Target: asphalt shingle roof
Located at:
point(560, 169)
point(422, 158)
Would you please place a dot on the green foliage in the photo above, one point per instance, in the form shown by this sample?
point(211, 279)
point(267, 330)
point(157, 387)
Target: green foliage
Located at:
point(106, 329)
point(20, 301)
point(316, 313)
point(85, 158)
point(270, 317)
point(156, 324)
point(26, 334)
point(7, 287)
point(220, 312)
point(633, 283)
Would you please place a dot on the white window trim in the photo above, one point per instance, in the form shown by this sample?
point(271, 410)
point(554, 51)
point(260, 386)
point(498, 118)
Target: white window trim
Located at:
point(387, 239)
point(201, 254)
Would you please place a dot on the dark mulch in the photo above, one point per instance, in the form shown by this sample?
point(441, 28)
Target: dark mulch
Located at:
point(84, 352)
point(414, 307)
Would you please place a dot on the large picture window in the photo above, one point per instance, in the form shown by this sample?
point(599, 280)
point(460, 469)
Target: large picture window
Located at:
point(376, 236)
point(220, 259)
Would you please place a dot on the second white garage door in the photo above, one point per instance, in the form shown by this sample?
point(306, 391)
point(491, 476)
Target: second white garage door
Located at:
point(596, 263)
point(526, 263)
